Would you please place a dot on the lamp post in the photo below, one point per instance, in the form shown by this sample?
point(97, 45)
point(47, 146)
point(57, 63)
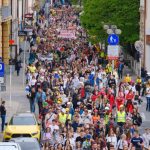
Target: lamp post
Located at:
point(139, 46)
point(112, 29)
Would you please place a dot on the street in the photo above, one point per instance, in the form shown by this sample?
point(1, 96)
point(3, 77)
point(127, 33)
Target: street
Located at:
point(74, 75)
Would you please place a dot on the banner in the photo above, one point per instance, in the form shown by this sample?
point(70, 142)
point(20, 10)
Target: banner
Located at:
point(68, 34)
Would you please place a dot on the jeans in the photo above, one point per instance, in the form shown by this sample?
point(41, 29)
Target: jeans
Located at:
point(120, 72)
point(18, 70)
point(40, 104)
point(32, 106)
point(148, 104)
point(3, 117)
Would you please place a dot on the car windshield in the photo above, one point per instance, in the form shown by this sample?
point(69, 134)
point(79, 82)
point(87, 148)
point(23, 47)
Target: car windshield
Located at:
point(29, 146)
point(22, 121)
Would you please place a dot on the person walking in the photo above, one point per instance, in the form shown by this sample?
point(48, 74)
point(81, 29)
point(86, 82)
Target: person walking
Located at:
point(148, 96)
point(120, 70)
point(136, 142)
point(146, 138)
point(40, 98)
point(121, 116)
point(32, 99)
point(18, 66)
point(3, 115)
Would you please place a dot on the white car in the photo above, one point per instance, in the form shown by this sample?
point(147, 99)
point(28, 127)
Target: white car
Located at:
point(27, 143)
point(9, 146)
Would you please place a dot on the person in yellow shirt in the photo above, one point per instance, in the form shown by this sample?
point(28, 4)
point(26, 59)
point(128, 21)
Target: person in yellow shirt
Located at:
point(38, 39)
point(32, 68)
point(127, 79)
point(62, 116)
point(138, 80)
point(68, 114)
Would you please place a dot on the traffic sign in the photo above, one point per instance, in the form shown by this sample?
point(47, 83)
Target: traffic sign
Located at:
point(1, 80)
point(113, 39)
point(2, 69)
point(113, 52)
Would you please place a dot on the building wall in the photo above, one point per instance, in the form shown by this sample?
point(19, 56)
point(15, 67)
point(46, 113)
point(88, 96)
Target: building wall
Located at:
point(14, 26)
point(147, 32)
point(0, 31)
point(5, 36)
point(141, 9)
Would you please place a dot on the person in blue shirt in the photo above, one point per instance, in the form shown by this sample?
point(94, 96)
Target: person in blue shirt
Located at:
point(136, 141)
point(91, 79)
point(120, 70)
point(40, 98)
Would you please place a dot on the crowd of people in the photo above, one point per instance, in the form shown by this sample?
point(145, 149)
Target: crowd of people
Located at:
point(83, 101)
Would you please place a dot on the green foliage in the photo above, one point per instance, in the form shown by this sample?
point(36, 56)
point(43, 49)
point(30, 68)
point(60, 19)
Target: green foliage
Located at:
point(123, 13)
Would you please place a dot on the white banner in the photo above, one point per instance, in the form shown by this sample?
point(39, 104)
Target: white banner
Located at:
point(69, 34)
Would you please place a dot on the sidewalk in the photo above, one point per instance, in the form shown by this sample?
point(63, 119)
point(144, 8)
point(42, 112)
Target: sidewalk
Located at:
point(19, 102)
point(142, 108)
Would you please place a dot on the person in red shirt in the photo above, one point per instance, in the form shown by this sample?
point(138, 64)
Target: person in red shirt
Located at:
point(49, 101)
point(121, 98)
point(82, 91)
point(129, 98)
point(95, 96)
point(111, 99)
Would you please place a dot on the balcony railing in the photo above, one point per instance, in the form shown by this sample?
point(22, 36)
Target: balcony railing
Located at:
point(6, 13)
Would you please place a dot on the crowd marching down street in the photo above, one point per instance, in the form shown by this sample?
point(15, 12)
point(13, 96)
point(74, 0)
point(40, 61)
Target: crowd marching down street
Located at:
point(83, 101)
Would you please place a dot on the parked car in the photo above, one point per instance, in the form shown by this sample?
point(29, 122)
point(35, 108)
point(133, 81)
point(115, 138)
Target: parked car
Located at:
point(9, 146)
point(27, 143)
point(22, 125)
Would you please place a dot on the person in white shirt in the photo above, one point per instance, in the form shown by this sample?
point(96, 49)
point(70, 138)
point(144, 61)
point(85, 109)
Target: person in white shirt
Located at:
point(86, 117)
point(100, 74)
point(49, 118)
point(111, 139)
point(53, 126)
point(146, 138)
point(32, 81)
point(122, 142)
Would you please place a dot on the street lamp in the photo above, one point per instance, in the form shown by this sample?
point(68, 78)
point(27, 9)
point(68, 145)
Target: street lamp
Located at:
point(112, 29)
point(139, 46)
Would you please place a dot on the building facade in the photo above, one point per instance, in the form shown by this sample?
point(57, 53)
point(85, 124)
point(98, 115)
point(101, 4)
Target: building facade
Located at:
point(147, 34)
point(142, 29)
point(5, 18)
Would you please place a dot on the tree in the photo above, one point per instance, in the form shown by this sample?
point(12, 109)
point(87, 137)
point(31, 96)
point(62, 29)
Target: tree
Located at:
point(123, 13)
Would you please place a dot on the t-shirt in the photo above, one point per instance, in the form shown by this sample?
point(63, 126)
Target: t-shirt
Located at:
point(135, 141)
point(32, 69)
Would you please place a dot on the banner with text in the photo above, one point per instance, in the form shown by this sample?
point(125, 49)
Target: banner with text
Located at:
point(68, 34)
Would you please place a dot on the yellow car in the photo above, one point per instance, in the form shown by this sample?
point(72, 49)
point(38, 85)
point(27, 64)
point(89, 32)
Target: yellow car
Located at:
point(22, 125)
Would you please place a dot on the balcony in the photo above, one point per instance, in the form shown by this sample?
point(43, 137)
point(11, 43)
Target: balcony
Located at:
point(6, 13)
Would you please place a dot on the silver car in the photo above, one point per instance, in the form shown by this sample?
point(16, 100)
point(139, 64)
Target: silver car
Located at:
point(27, 143)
